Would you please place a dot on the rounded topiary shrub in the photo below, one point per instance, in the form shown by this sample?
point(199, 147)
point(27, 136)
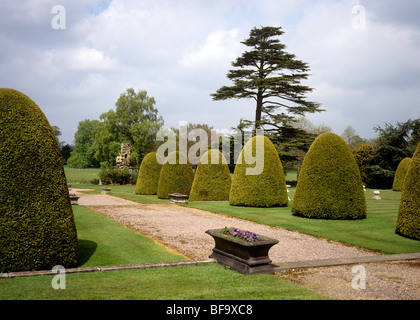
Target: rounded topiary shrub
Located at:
point(176, 175)
point(408, 222)
point(212, 178)
point(149, 172)
point(400, 174)
point(329, 184)
point(259, 180)
point(37, 228)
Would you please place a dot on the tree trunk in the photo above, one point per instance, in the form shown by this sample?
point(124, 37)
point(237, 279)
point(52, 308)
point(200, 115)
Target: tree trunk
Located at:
point(259, 109)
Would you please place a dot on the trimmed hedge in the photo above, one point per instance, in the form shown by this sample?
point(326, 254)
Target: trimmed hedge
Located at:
point(329, 185)
point(149, 172)
point(267, 189)
point(408, 221)
point(175, 176)
point(118, 176)
point(400, 174)
point(211, 180)
point(37, 228)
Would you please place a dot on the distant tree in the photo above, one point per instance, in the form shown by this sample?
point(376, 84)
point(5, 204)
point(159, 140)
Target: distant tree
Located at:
point(193, 132)
point(65, 149)
point(134, 121)
point(396, 143)
point(83, 154)
point(393, 144)
point(66, 152)
point(271, 76)
point(364, 156)
point(353, 140)
point(57, 133)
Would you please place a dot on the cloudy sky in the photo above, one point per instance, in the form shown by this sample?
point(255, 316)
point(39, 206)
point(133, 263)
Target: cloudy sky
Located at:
point(364, 56)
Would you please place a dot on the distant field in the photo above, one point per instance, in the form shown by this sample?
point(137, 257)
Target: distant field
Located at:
point(81, 176)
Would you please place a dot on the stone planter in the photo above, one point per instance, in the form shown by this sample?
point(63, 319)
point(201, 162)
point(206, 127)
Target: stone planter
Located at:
point(242, 256)
point(178, 198)
point(106, 190)
point(376, 195)
point(73, 199)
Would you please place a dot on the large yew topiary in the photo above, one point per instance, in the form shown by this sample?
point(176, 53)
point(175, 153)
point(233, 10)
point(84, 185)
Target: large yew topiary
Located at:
point(400, 174)
point(408, 222)
point(329, 184)
point(212, 178)
point(266, 189)
point(149, 172)
point(176, 175)
point(37, 228)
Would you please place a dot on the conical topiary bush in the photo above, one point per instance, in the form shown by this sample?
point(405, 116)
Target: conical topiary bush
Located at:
point(212, 178)
point(149, 172)
point(176, 175)
point(266, 189)
point(408, 222)
point(329, 184)
point(400, 174)
point(37, 228)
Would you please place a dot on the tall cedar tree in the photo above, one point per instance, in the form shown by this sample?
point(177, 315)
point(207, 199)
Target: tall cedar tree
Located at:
point(270, 76)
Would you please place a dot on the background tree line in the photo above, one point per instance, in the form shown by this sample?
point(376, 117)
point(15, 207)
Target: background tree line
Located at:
point(271, 76)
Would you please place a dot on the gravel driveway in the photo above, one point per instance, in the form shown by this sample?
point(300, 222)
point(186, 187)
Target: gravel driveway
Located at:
point(183, 230)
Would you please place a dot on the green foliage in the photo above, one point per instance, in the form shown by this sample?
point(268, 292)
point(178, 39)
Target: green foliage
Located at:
point(37, 228)
point(400, 174)
point(379, 178)
point(149, 172)
point(364, 156)
point(176, 175)
point(408, 222)
point(267, 189)
point(135, 121)
point(118, 176)
point(271, 76)
point(83, 154)
point(329, 185)
point(212, 178)
point(396, 143)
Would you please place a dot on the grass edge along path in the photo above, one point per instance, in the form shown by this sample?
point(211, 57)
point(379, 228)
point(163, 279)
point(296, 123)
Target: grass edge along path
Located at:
point(202, 282)
point(208, 281)
point(376, 232)
point(104, 241)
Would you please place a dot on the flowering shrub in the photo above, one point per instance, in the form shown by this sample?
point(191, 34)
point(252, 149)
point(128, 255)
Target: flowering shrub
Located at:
point(241, 234)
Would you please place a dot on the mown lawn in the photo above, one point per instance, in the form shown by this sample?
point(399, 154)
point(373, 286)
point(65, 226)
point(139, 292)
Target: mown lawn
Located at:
point(105, 242)
point(376, 232)
point(81, 176)
point(203, 282)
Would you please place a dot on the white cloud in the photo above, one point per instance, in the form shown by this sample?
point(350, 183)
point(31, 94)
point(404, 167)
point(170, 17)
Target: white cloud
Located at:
point(82, 58)
point(180, 52)
point(219, 46)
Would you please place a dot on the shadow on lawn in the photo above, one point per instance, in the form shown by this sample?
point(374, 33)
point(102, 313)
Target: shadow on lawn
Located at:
point(86, 249)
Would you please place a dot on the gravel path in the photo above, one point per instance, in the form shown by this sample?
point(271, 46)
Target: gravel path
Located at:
point(175, 226)
point(183, 230)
